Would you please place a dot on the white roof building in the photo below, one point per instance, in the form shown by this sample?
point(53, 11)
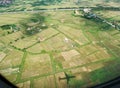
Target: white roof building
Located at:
point(87, 10)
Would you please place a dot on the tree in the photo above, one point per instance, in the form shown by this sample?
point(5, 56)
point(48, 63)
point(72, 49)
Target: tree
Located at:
point(45, 2)
point(10, 26)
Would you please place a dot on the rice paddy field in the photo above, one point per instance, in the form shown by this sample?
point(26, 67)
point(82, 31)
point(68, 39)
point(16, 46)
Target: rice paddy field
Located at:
point(71, 45)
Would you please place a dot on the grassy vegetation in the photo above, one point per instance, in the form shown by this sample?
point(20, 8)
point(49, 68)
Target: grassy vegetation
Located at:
point(103, 74)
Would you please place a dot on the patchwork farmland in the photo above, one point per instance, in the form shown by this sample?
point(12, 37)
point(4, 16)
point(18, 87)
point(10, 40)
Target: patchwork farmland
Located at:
point(71, 45)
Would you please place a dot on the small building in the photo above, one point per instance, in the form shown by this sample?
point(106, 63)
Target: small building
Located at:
point(88, 13)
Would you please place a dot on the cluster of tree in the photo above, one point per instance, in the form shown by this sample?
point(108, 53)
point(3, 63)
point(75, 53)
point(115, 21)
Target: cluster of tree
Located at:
point(112, 1)
point(33, 25)
point(9, 26)
point(45, 2)
point(5, 2)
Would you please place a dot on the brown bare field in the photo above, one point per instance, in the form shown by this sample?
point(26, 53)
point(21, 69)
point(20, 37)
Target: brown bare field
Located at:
point(88, 49)
point(40, 62)
point(68, 59)
point(45, 82)
point(2, 56)
point(69, 54)
point(24, 84)
point(61, 83)
point(102, 55)
point(95, 66)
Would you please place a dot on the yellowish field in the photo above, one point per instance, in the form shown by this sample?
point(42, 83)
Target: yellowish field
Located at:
point(12, 18)
point(42, 36)
point(36, 48)
point(55, 43)
point(2, 56)
point(11, 60)
point(46, 34)
point(112, 14)
point(26, 42)
point(75, 34)
point(9, 64)
point(59, 43)
point(11, 37)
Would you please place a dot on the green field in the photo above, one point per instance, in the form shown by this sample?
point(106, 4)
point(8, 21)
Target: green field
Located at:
point(70, 45)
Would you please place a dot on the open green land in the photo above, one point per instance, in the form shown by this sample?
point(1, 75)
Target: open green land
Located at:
point(70, 45)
